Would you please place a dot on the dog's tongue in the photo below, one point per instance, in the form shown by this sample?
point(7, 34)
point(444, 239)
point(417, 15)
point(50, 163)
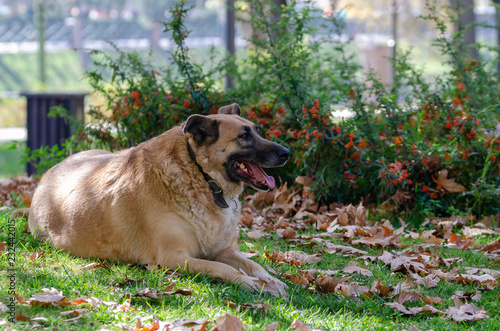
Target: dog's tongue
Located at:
point(260, 175)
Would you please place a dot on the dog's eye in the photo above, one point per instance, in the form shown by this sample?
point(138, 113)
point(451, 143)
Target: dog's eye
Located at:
point(245, 136)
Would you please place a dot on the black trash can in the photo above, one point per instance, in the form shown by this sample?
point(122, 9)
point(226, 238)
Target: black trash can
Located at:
point(49, 131)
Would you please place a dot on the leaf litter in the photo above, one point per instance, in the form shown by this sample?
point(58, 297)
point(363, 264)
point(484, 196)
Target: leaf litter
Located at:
point(286, 212)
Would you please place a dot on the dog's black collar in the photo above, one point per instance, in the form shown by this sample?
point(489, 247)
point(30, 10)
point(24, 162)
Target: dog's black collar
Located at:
point(216, 190)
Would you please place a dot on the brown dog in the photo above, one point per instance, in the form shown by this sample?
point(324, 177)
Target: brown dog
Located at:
point(172, 200)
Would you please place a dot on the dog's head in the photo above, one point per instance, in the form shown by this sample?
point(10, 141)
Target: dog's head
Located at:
point(232, 146)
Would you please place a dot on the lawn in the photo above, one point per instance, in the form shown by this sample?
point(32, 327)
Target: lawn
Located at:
point(350, 290)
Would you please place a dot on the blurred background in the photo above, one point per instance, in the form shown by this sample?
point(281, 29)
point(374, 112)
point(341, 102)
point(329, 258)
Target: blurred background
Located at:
point(45, 44)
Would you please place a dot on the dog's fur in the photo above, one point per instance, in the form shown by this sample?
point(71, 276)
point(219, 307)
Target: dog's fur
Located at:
point(150, 204)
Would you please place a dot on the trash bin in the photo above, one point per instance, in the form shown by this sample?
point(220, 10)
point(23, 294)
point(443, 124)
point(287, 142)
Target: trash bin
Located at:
point(49, 131)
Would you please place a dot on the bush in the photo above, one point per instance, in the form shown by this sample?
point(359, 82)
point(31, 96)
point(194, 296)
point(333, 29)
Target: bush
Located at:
point(429, 146)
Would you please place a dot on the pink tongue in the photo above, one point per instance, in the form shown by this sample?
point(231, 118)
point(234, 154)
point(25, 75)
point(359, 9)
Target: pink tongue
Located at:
point(260, 175)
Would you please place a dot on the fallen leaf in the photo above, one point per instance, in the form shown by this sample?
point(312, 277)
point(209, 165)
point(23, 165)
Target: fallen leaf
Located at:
point(297, 280)
point(391, 241)
point(34, 255)
point(467, 312)
point(352, 267)
point(228, 323)
point(299, 326)
point(258, 306)
point(380, 289)
point(325, 284)
point(124, 307)
point(74, 312)
point(250, 254)
point(429, 281)
point(354, 290)
point(21, 318)
point(348, 250)
point(460, 242)
point(289, 233)
point(181, 291)
point(95, 265)
point(492, 246)
point(431, 300)
point(429, 238)
point(257, 234)
point(405, 296)
point(48, 298)
point(467, 295)
point(297, 258)
point(412, 311)
point(448, 184)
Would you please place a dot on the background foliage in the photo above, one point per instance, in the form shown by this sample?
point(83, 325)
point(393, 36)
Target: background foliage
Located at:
point(426, 146)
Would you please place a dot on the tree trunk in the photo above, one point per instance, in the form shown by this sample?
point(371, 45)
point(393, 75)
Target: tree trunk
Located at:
point(497, 23)
point(465, 23)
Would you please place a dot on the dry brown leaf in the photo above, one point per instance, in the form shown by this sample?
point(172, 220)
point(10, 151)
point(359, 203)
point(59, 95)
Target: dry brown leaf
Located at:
point(299, 326)
point(2, 247)
point(467, 312)
point(348, 250)
point(259, 306)
point(257, 234)
point(34, 255)
point(492, 246)
point(302, 258)
point(21, 318)
point(48, 298)
point(246, 218)
point(449, 184)
point(412, 311)
point(380, 289)
point(354, 290)
point(460, 241)
point(145, 292)
point(429, 238)
point(480, 271)
point(124, 307)
point(155, 326)
point(482, 279)
point(228, 323)
point(250, 253)
point(429, 281)
point(325, 284)
point(297, 280)
point(405, 296)
point(74, 312)
point(181, 291)
point(289, 233)
point(431, 300)
point(95, 265)
point(467, 295)
point(391, 241)
point(352, 267)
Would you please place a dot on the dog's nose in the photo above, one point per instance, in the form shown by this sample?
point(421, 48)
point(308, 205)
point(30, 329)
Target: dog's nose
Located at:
point(285, 153)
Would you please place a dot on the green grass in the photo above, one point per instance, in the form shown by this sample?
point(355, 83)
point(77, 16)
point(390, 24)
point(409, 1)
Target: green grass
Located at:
point(10, 161)
point(209, 300)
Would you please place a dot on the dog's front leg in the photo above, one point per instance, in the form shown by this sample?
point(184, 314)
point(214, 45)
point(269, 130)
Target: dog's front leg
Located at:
point(212, 268)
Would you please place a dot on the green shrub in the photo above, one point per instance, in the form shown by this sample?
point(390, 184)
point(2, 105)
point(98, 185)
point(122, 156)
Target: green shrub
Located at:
point(430, 145)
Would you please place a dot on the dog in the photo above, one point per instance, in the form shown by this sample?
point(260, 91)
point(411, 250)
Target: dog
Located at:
point(170, 201)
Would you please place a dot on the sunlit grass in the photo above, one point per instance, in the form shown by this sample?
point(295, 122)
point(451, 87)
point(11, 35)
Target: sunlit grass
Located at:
point(212, 298)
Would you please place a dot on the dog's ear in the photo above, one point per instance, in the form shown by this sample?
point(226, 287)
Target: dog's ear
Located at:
point(203, 129)
point(232, 109)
